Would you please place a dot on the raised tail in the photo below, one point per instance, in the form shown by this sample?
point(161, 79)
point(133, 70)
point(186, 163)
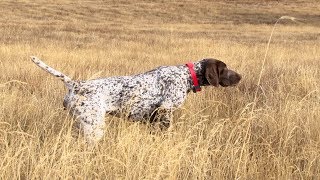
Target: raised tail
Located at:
point(68, 81)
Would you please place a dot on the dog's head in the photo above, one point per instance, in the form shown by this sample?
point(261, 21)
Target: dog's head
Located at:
point(216, 73)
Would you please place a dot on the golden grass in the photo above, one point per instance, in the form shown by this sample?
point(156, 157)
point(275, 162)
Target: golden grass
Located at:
point(217, 134)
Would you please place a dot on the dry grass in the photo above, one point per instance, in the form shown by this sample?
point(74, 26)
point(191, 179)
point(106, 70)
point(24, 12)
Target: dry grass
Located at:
point(216, 135)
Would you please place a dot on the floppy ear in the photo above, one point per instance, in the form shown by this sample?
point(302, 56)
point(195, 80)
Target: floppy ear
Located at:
point(213, 69)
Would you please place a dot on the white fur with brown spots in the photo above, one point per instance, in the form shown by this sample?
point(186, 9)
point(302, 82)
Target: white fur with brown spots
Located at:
point(152, 95)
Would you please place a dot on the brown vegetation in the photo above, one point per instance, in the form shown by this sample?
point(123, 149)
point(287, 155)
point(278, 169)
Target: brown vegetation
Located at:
point(218, 134)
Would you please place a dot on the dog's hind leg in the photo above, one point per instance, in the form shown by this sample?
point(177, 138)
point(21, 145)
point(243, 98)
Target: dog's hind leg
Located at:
point(92, 121)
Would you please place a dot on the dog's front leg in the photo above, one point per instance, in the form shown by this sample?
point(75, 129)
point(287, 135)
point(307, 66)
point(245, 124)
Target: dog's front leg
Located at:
point(164, 117)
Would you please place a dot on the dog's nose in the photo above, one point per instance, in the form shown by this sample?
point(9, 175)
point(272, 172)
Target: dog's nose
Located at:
point(239, 77)
point(235, 78)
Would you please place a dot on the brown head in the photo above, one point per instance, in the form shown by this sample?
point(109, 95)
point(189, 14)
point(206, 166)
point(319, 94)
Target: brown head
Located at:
point(216, 72)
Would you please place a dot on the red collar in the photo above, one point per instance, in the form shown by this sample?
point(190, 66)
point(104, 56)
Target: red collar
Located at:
point(196, 87)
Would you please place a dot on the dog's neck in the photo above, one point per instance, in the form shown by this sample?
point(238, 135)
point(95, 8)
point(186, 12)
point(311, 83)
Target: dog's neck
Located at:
point(199, 68)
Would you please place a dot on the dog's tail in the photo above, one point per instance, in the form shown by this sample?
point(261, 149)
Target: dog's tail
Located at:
point(68, 81)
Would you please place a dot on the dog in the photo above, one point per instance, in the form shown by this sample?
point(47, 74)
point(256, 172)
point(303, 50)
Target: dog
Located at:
point(152, 95)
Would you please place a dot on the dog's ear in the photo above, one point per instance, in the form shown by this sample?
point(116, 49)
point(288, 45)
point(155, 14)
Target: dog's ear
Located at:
point(213, 68)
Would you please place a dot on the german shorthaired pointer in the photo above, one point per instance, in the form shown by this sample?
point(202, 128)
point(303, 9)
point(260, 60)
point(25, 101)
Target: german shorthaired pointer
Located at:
point(152, 95)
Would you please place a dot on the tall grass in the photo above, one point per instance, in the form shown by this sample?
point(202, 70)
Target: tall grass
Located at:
point(217, 134)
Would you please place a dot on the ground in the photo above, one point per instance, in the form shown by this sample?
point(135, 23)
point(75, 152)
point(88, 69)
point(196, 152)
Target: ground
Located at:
point(267, 127)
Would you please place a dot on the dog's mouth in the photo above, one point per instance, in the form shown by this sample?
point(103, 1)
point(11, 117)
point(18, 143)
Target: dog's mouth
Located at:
point(223, 85)
point(231, 81)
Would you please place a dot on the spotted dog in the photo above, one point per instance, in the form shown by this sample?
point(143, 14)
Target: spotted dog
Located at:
point(152, 95)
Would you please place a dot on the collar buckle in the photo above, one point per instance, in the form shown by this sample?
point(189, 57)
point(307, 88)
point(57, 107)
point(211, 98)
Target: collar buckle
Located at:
point(196, 88)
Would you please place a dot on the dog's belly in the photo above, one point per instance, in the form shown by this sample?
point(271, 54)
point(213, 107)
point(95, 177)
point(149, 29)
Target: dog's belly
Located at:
point(134, 107)
point(136, 104)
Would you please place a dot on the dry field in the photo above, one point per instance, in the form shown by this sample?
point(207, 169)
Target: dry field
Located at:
point(256, 130)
